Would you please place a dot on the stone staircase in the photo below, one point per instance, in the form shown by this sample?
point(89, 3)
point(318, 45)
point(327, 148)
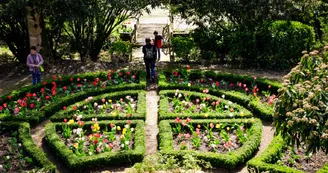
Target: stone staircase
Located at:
point(146, 31)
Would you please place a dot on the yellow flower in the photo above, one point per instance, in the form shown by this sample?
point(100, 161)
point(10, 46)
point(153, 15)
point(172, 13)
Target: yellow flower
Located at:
point(96, 126)
point(90, 137)
point(217, 126)
point(206, 115)
point(109, 101)
point(114, 114)
point(245, 121)
point(124, 131)
point(71, 122)
point(252, 120)
point(228, 128)
point(104, 106)
point(76, 145)
point(242, 114)
point(118, 128)
point(189, 84)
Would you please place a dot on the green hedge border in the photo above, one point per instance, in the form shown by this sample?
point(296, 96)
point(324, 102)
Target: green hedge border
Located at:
point(229, 161)
point(39, 157)
point(76, 164)
point(260, 110)
point(165, 114)
point(140, 111)
point(265, 162)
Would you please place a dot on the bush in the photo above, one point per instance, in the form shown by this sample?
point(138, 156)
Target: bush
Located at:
point(78, 164)
point(39, 158)
point(301, 111)
point(183, 47)
point(229, 160)
point(122, 49)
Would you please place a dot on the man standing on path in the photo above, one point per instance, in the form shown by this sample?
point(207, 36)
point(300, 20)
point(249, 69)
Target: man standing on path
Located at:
point(34, 62)
point(158, 43)
point(149, 52)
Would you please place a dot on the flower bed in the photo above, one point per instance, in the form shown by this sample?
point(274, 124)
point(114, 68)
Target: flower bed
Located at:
point(262, 110)
point(118, 105)
point(198, 105)
point(83, 145)
point(225, 151)
point(29, 108)
point(18, 151)
point(275, 157)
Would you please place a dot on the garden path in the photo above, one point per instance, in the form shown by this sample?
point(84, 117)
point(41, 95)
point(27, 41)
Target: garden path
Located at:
point(151, 127)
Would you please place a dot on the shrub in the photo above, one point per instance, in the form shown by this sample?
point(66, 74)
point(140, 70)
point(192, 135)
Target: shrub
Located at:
point(183, 47)
point(301, 111)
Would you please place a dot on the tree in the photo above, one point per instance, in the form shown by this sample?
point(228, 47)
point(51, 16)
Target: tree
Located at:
point(93, 21)
point(13, 27)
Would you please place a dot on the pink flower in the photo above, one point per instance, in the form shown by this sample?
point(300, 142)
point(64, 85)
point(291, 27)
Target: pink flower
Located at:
point(42, 90)
point(217, 83)
point(129, 122)
point(179, 135)
point(110, 145)
point(128, 73)
point(218, 102)
point(32, 105)
point(183, 124)
point(54, 77)
point(240, 84)
point(128, 115)
point(246, 89)
point(197, 100)
point(98, 149)
point(133, 77)
point(212, 125)
point(177, 120)
point(47, 97)
point(103, 100)
point(231, 109)
point(254, 77)
point(245, 85)
point(64, 88)
point(187, 135)
point(269, 86)
point(197, 131)
point(188, 120)
point(231, 85)
point(34, 95)
point(111, 125)
point(16, 111)
point(1, 108)
point(64, 108)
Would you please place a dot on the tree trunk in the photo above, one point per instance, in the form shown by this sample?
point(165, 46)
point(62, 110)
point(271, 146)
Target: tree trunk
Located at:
point(34, 29)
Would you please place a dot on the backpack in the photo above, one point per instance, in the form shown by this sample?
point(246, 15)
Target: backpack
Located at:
point(149, 53)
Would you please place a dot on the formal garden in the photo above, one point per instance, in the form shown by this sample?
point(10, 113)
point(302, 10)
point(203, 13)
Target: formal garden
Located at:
point(246, 90)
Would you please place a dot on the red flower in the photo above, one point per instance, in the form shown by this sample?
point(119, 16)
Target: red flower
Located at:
point(97, 80)
point(111, 125)
point(1, 108)
point(60, 79)
point(54, 77)
point(64, 88)
point(79, 85)
point(44, 83)
point(16, 111)
point(5, 105)
point(183, 124)
point(188, 67)
point(95, 83)
point(120, 74)
point(112, 71)
point(128, 73)
point(42, 90)
point(95, 142)
point(97, 135)
point(188, 120)
point(217, 83)
point(201, 80)
point(231, 85)
point(133, 76)
point(53, 91)
point(9, 97)
point(80, 123)
point(64, 108)
point(74, 108)
point(34, 94)
point(47, 97)
point(129, 122)
point(177, 120)
point(54, 85)
point(28, 95)
point(71, 79)
point(65, 120)
point(32, 105)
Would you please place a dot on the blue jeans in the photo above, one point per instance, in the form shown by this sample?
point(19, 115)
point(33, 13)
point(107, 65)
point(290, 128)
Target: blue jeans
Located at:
point(150, 67)
point(36, 77)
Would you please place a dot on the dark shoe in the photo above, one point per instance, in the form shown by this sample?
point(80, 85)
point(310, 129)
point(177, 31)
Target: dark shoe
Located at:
point(153, 79)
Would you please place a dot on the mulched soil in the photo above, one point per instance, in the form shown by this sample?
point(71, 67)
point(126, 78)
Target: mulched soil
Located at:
point(310, 165)
point(204, 147)
point(5, 148)
point(198, 109)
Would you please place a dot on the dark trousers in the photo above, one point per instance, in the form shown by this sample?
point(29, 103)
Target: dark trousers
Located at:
point(36, 77)
point(150, 67)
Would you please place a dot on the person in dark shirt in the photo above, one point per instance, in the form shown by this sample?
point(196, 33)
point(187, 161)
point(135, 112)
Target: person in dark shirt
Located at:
point(150, 54)
point(158, 43)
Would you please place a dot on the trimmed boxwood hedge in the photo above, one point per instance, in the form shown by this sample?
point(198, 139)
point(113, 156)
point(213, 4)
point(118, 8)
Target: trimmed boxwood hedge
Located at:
point(229, 160)
point(265, 162)
point(33, 151)
point(164, 112)
point(139, 114)
point(68, 100)
point(260, 110)
point(78, 164)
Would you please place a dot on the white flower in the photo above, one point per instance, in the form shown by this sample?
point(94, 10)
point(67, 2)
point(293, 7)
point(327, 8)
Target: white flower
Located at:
point(122, 145)
point(95, 104)
point(229, 102)
point(226, 106)
point(205, 138)
point(213, 145)
point(84, 107)
point(1, 167)
point(177, 90)
point(19, 144)
point(79, 131)
point(78, 105)
point(231, 114)
point(8, 157)
point(118, 105)
point(74, 130)
point(131, 100)
point(90, 153)
point(127, 142)
point(85, 80)
point(100, 106)
point(128, 97)
point(126, 126)
point(132, 129)
point(223, 96)
point(180, 95)
point(79, 117)
point(202, 105)
point(133, 106)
